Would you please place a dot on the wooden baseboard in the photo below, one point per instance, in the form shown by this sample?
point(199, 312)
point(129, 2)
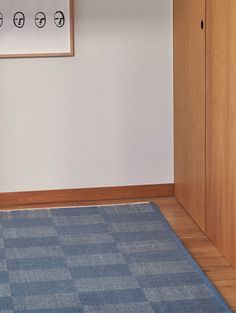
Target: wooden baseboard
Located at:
point(86, 194)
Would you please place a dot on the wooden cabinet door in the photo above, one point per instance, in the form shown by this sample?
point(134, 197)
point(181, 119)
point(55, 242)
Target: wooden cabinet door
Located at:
point(221, 126)
point(189, 106)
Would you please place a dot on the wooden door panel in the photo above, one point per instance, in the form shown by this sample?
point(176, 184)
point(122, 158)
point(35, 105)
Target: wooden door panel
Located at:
point(189, 111)
point(221, 126)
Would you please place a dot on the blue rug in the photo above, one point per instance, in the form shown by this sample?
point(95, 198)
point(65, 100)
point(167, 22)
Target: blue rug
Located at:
point(109, 259)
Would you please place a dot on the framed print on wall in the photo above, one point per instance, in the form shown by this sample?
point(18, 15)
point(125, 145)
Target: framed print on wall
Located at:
point(36, 28)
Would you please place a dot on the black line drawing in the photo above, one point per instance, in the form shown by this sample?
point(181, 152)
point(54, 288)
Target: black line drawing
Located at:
point(19, 19)
point(59, 19)
point(1, 19)
point(40, 19)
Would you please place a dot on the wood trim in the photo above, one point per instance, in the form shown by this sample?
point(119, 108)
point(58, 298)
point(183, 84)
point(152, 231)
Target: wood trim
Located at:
point(84, 194)
point(72, 28)
point(71, 53)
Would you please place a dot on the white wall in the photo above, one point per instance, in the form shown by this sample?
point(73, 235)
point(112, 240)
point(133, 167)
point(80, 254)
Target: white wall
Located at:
point(102, 118)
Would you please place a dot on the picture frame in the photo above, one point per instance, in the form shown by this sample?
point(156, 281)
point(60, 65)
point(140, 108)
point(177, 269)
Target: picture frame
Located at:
point(36, 28)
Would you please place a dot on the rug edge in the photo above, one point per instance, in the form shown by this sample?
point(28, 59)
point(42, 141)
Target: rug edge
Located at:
point(196, 266)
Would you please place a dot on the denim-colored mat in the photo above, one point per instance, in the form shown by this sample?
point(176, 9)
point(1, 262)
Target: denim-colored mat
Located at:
point(104, 259)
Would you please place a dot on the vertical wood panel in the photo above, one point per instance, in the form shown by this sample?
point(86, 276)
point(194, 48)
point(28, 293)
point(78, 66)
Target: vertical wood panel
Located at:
point(221, 126)
point(189, 98)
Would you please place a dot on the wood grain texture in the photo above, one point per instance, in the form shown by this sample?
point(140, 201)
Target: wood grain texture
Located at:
point(221, 126)
point(189, 106)
point(85, 194)
point(215, 266)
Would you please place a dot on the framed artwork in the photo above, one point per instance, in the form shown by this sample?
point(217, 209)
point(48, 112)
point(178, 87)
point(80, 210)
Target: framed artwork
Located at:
point(36, 28)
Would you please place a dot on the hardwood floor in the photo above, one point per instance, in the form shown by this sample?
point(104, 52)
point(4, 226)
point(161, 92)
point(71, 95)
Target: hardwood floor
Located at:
point(219, 271)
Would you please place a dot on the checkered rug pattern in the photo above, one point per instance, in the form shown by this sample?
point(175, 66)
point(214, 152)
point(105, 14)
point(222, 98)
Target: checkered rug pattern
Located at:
point(103, 259)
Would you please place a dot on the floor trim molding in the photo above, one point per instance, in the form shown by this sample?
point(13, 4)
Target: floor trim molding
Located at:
point(85, 194)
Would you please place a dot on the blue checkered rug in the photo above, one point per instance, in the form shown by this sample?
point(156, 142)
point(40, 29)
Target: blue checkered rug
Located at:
point(107, 259)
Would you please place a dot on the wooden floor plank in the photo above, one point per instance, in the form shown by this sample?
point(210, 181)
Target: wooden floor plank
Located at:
point(213, 264)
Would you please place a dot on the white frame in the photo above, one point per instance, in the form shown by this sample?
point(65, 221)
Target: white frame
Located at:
point(51, 54)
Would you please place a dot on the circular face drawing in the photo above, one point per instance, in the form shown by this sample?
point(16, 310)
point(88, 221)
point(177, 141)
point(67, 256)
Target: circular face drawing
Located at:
point(59, 19)
point(40, 20)
point(19, 19)
point(1, 19)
